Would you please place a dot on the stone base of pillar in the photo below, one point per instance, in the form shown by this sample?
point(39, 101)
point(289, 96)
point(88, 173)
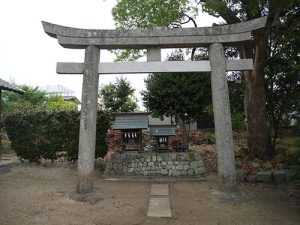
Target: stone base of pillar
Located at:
point(227, 184)
point(84, 186)
point(91, 197)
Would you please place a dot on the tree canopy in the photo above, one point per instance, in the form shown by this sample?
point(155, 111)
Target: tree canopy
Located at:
point(130, 14)
point(182, 95)
point(58, 103)
point(118, 96)
point(33, 98)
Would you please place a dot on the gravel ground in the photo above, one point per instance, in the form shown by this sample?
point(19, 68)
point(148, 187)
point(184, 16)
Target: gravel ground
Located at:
point(32, 195)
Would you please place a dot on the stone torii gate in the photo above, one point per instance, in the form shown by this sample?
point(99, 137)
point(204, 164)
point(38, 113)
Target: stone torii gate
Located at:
point(154, 40)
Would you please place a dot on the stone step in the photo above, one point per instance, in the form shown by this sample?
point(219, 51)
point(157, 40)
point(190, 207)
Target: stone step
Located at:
point(159, 189)
point(159, 207)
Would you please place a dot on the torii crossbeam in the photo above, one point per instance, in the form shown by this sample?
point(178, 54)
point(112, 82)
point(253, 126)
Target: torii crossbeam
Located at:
point(154, 40)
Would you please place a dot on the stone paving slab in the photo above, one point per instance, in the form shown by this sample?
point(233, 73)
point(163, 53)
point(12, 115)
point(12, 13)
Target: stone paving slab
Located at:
point(159, 207)
point(159, 189)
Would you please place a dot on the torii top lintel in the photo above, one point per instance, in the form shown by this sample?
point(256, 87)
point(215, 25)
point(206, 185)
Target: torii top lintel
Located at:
point(76, 38)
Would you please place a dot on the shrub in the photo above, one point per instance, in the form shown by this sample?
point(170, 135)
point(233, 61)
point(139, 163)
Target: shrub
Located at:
point(209, 138)
point(43, 133)
point(238, 121)
point(6, 147)
point(150, 146)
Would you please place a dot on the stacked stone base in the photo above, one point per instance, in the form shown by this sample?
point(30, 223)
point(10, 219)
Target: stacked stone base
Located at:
point(189, 164)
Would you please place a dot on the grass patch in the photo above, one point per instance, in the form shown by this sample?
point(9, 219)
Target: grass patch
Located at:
point(6, 147)
point(288, 151)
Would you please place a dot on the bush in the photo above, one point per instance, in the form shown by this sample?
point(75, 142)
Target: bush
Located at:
point(41, 134)
point(209, 139)
point(238, 121)
point(6, 147)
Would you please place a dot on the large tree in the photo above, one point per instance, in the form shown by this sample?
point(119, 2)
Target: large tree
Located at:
point(159, 13)
point(283, 78)
point(118, 96)
point(181, 95)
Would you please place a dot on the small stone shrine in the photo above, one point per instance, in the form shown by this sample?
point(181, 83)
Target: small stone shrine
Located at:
point(131, 126)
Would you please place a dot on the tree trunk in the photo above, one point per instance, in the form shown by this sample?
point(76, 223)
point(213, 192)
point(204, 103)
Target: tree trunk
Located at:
point(259, 142)
point(184, 132)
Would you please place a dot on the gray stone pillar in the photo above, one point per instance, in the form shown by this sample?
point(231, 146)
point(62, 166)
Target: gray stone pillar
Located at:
point(87, 134)
point(222, 118)
point(153, 54)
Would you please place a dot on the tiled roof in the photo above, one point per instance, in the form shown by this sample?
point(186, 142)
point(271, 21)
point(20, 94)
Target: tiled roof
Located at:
point(162, 130)
point(9, 87)
point(125, 121)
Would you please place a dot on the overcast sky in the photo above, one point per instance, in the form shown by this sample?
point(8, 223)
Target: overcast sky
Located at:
point(29, 56)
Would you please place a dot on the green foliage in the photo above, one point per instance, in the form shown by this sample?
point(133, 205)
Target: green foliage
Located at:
point(209, 138)
point(33, 98)
point(6, 147)
point(41, 134)
point(293, 173)
point(174, 94)
point(118, 97)
point(283, 77)
point(148, 14)
point(150, 146)
point(55, 102)
point(238, 120)
point(288, 151)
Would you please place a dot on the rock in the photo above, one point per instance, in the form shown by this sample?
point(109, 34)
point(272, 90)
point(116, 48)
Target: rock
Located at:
point(168, 167)
point(240, 175)
point(184, 173)
point(115, 166)
point(264, 176)
point(190, 172)
point(176, 173)
point(279, 176)
point(199, 171)
point(120, 166)
point(194, 164)
point(255, 164)
point(251, 178)
point(145, 173)
point(152, 173)
point(151, 164)
point(268, 166)
point(124, 169)
point(179, 167)
point(200, 163)
point(186, 167)
point(164, 172)
point(198, 156)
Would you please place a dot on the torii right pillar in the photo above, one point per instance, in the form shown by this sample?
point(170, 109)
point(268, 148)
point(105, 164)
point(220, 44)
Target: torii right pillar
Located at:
point(222, 118)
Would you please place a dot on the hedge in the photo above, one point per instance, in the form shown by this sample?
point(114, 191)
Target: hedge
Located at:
point(42, 134)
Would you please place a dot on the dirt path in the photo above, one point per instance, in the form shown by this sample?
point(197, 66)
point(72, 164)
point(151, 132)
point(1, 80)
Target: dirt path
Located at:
point(32, 195)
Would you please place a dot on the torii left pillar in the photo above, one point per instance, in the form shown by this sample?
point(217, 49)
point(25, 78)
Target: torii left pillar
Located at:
point(88, 119)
